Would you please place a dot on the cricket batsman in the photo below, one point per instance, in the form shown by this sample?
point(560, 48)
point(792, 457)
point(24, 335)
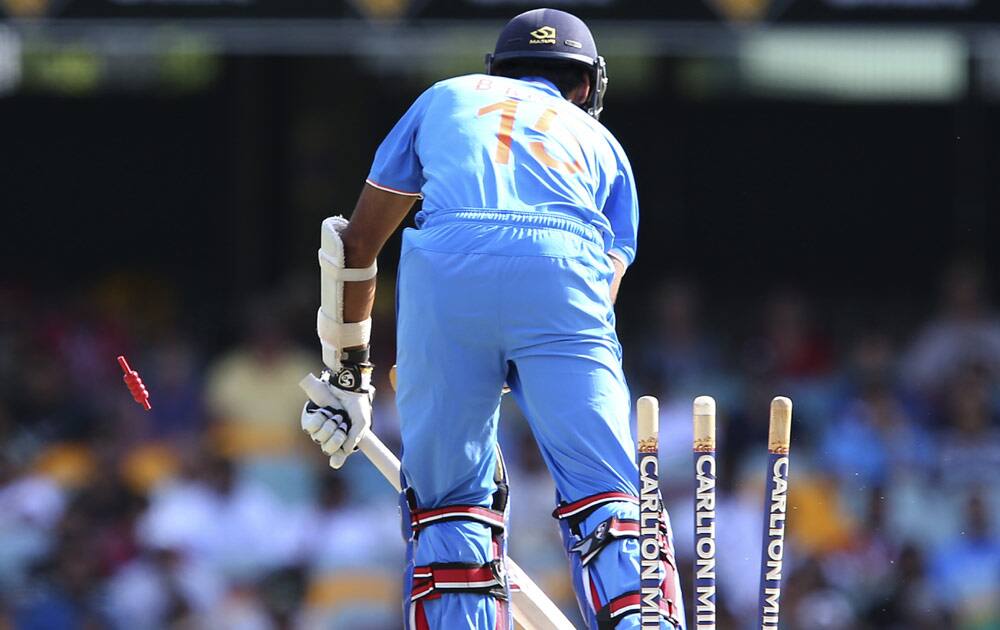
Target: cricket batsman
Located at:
point(528, 224)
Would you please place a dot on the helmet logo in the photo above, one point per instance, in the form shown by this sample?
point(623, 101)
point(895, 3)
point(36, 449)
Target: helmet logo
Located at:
point(543, 35)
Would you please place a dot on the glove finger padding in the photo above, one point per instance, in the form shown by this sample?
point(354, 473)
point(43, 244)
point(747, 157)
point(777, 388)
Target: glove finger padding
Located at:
point(311, 421)
point(328, 421)
point(338, 418)
point(324, 433)
point(337, 459)
point(335, 441)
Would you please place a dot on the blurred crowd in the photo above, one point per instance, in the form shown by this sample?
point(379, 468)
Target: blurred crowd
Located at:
point(213, 510)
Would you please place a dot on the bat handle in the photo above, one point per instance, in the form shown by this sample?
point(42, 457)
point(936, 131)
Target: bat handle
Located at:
point(381, 457)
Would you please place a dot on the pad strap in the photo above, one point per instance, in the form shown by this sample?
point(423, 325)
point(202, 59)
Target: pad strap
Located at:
point(603, 534)
point(458, 577)
point(432, 580)
point(578, 510)
point(492, 517)
point(631, 602)
point(420, 519)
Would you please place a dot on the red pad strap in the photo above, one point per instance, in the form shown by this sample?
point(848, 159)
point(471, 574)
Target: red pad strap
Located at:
point(579, 507)
point(631, 602)
point(620, 606)
point(420, 617)
point(420, 519)
point(431, 580)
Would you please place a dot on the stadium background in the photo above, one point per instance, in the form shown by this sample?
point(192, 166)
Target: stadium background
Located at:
point(819, 189)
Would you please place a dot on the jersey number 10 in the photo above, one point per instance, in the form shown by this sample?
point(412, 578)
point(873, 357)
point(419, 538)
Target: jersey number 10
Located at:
point(508, 111)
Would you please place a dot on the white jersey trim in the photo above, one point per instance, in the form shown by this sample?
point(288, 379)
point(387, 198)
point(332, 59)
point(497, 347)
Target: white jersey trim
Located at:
point(418, 195)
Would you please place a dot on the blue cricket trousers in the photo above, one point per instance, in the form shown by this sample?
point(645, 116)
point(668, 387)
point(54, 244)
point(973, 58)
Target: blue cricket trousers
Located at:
point(486, 298)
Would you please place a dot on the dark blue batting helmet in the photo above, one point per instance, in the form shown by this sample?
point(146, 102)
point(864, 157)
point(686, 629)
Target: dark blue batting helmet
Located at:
point(556, 35)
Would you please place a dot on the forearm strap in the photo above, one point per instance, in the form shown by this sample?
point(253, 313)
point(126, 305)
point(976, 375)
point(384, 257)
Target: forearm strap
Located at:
point(344, 274)
point(335, 336)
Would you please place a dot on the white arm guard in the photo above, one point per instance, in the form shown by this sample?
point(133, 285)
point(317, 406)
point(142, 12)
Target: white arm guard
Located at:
point(334, 334)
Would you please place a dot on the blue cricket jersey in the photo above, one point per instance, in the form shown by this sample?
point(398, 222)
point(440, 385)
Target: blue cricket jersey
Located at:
point(481, 142)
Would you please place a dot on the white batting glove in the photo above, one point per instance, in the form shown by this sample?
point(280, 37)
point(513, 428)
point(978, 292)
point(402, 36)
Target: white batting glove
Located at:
point(339, 410)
